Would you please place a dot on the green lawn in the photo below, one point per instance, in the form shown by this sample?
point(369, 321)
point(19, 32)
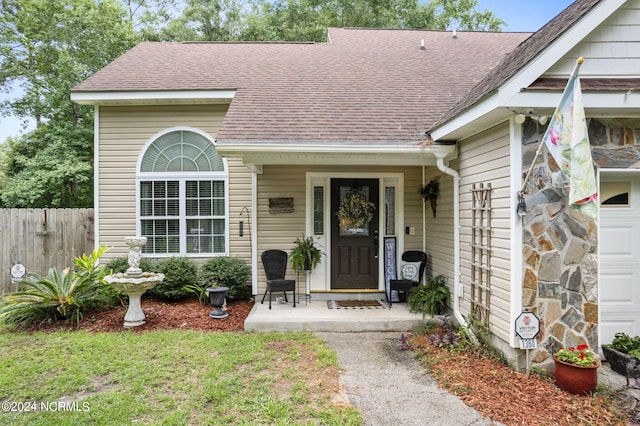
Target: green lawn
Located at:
point(169, 377)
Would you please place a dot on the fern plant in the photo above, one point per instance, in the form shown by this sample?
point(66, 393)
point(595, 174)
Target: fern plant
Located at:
point(430, 299)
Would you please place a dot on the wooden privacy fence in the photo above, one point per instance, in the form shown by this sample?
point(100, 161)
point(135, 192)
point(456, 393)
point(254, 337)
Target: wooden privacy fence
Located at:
point(41, 239)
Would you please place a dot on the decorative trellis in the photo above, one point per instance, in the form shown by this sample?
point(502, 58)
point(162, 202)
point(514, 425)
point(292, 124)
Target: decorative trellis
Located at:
point(481, 252)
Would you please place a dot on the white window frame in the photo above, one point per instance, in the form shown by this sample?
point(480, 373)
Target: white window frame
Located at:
point(182, 178)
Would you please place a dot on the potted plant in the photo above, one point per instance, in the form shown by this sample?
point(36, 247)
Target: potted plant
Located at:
point(431, 192)
point(355, 211)
point(430, 299)
point(305, 256)
point(623, 355)
point(576, 369)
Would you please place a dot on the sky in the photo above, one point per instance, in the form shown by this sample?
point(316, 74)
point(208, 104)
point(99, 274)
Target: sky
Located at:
point(520, 15)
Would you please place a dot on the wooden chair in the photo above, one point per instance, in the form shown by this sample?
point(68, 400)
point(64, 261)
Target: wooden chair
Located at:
point(412, 260)
point(275, 268)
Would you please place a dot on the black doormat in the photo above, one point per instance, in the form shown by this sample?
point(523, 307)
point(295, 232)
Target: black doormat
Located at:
point(357, 304)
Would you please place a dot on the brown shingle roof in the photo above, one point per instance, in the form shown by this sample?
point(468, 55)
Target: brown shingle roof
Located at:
point(370, 86)
point(522, 55)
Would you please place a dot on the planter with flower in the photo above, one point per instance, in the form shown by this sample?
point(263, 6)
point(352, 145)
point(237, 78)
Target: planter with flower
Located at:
point(576, 369)
point(431, 192)
point(623, 355)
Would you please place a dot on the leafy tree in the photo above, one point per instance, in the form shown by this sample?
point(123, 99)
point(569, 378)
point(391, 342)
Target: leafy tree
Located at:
point(51, 166)
point(47, 47)
point(307, 20)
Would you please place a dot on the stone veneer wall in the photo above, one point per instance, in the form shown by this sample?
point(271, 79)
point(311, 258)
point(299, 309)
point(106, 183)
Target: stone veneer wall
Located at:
point(560, 245)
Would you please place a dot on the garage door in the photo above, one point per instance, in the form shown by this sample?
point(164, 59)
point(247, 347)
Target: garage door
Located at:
point(619, 254)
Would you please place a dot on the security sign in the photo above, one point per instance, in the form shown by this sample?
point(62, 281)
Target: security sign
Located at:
point(18, 270)
point(527, 325)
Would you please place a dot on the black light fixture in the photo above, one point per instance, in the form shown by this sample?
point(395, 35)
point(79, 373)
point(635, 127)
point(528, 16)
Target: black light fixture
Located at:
point(241, 224)
point(522, 206)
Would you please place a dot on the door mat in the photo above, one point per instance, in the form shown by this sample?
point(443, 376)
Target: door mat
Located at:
point(357, 304)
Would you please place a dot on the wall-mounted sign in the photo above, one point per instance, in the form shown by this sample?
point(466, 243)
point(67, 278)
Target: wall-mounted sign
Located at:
point(280, 205)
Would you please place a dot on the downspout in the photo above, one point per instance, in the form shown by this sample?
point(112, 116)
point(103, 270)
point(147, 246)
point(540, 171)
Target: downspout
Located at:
point(457, 287)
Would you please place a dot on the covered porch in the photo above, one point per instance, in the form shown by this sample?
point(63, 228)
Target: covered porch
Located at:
point(315, 316)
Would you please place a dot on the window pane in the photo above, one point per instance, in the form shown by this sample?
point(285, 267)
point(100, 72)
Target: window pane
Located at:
point(192, 189)
point(145, 189)
point(159, 208)
point(205, 207)
point(173, 189)
point(205, 189)
point(218, 207)
point(218, 189)
point(159, 189)
point(318, 210)
point(390, 210)
point(173, 208)
point(146, 208)
point(192, 207)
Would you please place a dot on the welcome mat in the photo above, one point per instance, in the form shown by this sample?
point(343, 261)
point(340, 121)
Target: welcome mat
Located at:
point(357, 304)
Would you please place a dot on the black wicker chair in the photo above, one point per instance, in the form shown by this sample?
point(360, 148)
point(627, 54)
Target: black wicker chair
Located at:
point(403, 286)
point(275, 268)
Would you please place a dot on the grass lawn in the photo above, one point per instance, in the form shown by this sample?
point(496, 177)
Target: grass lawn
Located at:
point(173, 377)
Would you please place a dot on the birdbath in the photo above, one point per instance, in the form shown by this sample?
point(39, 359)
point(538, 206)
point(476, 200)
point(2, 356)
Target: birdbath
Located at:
point(134, 282)
point(216, 298)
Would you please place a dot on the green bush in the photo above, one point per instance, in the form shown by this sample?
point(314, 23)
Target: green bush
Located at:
point(229, 272)
point(120, 265)
point(59, 295)
point(178, 273)
point(431, 298)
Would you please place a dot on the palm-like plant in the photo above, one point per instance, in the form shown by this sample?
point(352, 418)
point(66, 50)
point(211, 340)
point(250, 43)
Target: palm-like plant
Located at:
point(59, 295)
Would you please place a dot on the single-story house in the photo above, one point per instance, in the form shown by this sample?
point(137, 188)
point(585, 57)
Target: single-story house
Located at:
point(234, 148)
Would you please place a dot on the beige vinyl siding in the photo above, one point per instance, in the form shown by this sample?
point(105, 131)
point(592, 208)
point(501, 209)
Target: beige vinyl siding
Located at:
point(123, 132)
point(440, 229)
point(485, 158)
point(612, 49)
point(279, 231)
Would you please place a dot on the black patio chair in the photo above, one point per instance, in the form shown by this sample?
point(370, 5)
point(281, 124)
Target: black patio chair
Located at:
point(275, 268)
point(416, 262)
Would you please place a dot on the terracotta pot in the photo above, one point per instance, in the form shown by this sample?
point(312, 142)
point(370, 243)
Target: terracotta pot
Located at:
point(576, 379)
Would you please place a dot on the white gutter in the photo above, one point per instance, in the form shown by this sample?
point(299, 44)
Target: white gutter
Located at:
point(457, 287)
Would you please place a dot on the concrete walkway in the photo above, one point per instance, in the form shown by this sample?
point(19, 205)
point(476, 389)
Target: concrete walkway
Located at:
point(389, 385)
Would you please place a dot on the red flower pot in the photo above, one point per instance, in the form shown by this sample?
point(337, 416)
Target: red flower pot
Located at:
point(576, 379)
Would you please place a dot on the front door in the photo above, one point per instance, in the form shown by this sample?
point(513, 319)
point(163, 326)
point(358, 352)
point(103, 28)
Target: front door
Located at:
point(354, 235)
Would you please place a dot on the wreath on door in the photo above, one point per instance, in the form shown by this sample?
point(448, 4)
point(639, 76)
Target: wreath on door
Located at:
point(355, 211)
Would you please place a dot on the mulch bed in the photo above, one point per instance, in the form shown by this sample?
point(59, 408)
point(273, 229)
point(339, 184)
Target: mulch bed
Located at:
point(160, 315)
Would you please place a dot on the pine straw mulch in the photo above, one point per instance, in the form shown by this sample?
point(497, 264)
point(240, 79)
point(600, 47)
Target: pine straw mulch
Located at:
point(506, 396)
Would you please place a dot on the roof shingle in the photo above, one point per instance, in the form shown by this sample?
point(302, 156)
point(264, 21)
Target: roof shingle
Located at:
point(366, 86)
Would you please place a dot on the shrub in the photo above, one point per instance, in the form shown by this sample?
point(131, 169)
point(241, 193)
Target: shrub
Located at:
point(178, 273)
point(120, 265)
point(59, 295)
point(229, 272)
point(431, 298)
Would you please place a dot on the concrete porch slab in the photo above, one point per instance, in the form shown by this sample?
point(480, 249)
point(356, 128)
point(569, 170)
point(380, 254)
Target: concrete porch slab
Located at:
point(316, 316)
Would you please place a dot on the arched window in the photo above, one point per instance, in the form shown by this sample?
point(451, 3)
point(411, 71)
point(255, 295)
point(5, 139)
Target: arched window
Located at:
point(182, 187)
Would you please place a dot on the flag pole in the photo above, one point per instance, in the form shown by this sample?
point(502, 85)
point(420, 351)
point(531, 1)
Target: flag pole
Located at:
point(574, 74)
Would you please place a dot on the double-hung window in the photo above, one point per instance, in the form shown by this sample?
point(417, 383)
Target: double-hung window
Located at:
point(182, 196)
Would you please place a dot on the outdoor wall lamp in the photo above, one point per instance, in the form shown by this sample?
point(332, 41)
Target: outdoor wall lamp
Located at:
point(541, 119)
point(241, 224)
point(522, 206)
